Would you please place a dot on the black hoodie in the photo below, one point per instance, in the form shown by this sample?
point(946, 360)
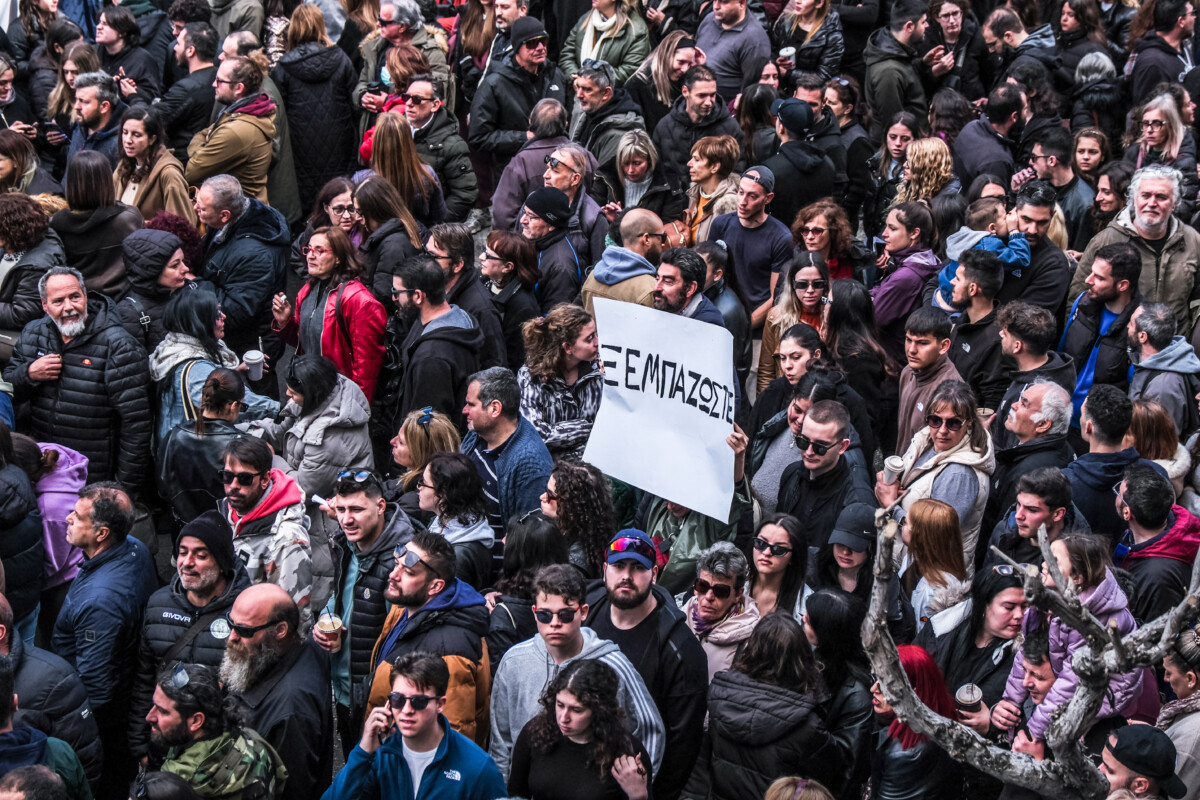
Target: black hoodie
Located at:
point(1155, 61)
point(600, 131)
point(803, 175)
point(676, 133)
point(1058, 368)
point(439, 360)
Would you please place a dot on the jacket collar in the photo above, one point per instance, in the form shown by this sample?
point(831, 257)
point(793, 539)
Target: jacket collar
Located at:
point(255, 695)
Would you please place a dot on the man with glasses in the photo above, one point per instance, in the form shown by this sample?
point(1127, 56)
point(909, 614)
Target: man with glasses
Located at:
point(528, 667)
point(240, 140)
point(429, 759)
point(718, 610)
point(509, 91)
point(641, 617)
point(400, 23)
point(203, 743)
point(628, 273)
point(587, 226)
point(543, 221)
point(1165, 53)
point(1044, 282)
point(434, 612)
point(822, 483)
point(364, 556)
point(604, 112)
point(452, 246)
point(283, 681)
point(439, 144)
point(1053, 156)
point(265, 509)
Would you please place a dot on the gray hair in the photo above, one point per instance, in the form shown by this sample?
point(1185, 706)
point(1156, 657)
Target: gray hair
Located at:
point(404, 12)
point(59, 270)
point(1157, 321)
point(1094, 66)
point(724, 560)
point(102, 82)
point(499, 385)
point(578, 155)
point(548, 119)
point(227, 195)
point(1056, 407)
point(1160, 172)
point(599, 71)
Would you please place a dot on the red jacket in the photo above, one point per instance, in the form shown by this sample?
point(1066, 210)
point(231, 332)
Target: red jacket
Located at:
point(360, 358)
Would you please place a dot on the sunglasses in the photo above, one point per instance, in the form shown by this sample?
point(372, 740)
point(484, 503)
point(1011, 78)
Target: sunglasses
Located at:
point(776, 550)
point(419, 702)
point(415, 99)
point(721, 591)
point(1008, 570)
point(179, 678)
point(812, 231)
point(820, 448)
point(628, 544)
point(246, 631)
point(803, 286)
point(383, 23)
point(242, 478)
point(564, 615)
point(555, 163)
point(410, 559)
point(953, 424)
point(536, 42)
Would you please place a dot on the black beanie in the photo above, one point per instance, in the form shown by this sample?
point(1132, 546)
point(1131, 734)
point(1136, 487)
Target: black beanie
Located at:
point(212, 529)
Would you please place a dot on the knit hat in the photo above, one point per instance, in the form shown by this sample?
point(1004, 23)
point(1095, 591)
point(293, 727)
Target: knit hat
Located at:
point(524, 29)
point(146, 252)
point(795, 115)
point(549, 203)
point(212, 529)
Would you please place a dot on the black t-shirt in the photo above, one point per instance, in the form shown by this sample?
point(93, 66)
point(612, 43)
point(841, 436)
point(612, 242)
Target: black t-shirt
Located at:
point(563, 773)
point(1157, 245)
point(635, 642)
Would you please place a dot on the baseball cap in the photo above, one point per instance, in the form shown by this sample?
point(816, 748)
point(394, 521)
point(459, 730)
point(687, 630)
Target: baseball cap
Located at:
point(634, 545)
point(855, 527)
point(762, 176)
point(1148, 751)
point(795, 115)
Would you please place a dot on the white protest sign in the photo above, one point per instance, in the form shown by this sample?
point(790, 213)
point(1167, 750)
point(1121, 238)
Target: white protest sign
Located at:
point(668, 406)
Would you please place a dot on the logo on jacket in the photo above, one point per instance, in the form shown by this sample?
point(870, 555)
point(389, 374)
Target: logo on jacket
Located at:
point(966, 347)
point(219, 628)
point(453, 774)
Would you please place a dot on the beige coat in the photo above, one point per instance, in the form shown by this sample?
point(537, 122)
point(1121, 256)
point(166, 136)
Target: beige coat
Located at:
point(165, 189)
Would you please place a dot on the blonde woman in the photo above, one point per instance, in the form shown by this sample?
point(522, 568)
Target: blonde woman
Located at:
point(77, 59)
point(803, 299)
point(655, 84)
point(928, 172)
point(423, 433)
point(815, 31)
point(1161, 142)
point(634, 178)
point(612, 31)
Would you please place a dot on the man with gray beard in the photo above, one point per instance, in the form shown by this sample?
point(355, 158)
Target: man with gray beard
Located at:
point(284, 683)
point(86, 379)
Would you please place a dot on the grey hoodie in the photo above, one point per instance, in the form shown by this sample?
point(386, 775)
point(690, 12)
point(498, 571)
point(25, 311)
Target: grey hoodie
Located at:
point(963, 240)
point(1163, 377)
point(619, 264)
point(527, 670)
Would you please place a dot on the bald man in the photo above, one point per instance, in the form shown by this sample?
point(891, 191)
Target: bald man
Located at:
point(627, 272)
point(284, 682)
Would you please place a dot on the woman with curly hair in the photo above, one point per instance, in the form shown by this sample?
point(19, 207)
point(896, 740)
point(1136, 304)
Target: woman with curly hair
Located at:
point(148, 176)
point(823, 228)
point(422, 434)
point(928, 172)
point(561, 381)
point(29, 248)
point(19, 170)
point(887, 168)
point(579, 498)
point(578, 746)
point(509, 266)
point(803, 299)
point(949, 112)
point(452, 491)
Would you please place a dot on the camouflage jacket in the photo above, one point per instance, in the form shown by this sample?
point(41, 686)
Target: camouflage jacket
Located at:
point(231, 766)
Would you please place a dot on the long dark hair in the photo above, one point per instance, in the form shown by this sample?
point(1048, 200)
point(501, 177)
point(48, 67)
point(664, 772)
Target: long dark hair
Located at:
point(1119, 174)
point(585, 509)
point(836, 618)
point(984, 588)
point(754, 110)
point(850, 329)
point(458, 488)
point(916, 126)
point(797, 568)
point(595, 685)
point(313, 377)
point(825, 571)
point(195, 314)
point(319, 218)
point(221, 387)
point(778, 653)
point(128, 170)
point(532, 542)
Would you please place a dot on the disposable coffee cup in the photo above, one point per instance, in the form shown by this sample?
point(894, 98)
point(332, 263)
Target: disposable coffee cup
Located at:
point(254, 360)
point(788, 53)
point(984, 413)
point(892, 467)
point(969, 697)
point(329, 623)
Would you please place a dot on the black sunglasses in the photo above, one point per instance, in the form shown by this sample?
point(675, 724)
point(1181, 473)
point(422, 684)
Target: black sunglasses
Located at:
point(776, 550)
point(1008, 570)
point(564, 615)
point(246, 631)
point(555, 163)
point(953, 424)
point(242, 478)
point(820, 448)
point(419, 701)
point(410, 559)
point(802, 286)
point(721, 591)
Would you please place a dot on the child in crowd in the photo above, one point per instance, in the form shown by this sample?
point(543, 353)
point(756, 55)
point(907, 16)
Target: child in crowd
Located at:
point(989, 227)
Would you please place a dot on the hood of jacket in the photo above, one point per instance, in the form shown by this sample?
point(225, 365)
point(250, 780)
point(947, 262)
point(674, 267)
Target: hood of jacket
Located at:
point(146, 252)
point(1102, 470)
point(1101, 94)
point(963, 240)
point(201, 763)
point(470, 338)
point(805, 156)
point(1039, 38)
point(84, 223)
point(1105, 599)
point(882, 46)
point(312, 62)
point(1059, 368)
point(1180, 541)
point(754, 713)
point(1178, 356)
point(179, 347)
point(719, 111)
point(346, 407)
point(458, 533)
point(21, 747)
point(1153, 41)
point(281, 493)
point(441, 125)
point(70, 473)
point(261, 222)
point(621, 103)
point(618, 264)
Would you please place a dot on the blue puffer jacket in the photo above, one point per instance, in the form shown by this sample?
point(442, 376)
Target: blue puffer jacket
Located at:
point(460, 770)
point(522, 469)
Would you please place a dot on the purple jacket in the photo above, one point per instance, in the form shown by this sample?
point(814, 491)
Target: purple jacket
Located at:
point(56, 496)
point(899, 294)
point(1108, 603)
point(524, 174)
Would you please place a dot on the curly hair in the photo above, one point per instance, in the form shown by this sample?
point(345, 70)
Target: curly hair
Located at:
point(840, 235)
point(594, 684)
point(949, 113)
point(436, 434)
point(458, 488)
point(193, 245)
point(585, 509)
point(545, 337)
point(22, 224)
point(932, 168)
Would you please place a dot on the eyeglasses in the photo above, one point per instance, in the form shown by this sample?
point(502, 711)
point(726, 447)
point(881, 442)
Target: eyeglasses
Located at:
point(1153, 124)
point(720, 590)
point(489, 257)
point(227, 83)
point(812, 231)
point(179, 678)
point(776, 550)
point(426, 252)
point(397, 292)
point(1034, 159)
point(242, 478)
point(953, 424)
point(410, 559)
point(551, 496)
point(564, 615)
point(310, 250)
point(803, 286)
point(421, 484)
point(415, 99)
point(555, 163)
point(419, 702)
point(343, 211)
point(628, 544)
point(820, 448)
point(246, 631)
point(383, 23)
point(662, 237)
point(1008, 570)
point(949, 15)
point(536, 42)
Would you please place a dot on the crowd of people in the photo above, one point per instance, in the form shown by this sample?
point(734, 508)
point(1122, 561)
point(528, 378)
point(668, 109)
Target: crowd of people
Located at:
point(300, 365)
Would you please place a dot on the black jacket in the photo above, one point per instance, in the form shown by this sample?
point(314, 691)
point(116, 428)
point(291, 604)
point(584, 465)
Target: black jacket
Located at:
point(169, 615)
point(820, 53)
point(54, 700)
point(291, 707)
point(737, 322)
point(859, 183)
point(980, 149)
point(500, 110)
point(382, 252)
point(674, 668)
point(437, 368)
point(1082, 335)
point(1060, 368)
point(99, 405)
point(186, 108)
point(516, 305)
point(1016, 461)
point(819, 501)
point(317, 83)
point(761, 732)
point(187, 467)
point(975, 351)
point(1024, 551)
point(641, 88)
point(850, 718)
point(440, 145)
point(972, 73)
point(20, 302)
point(893, 84)
point(804, 173)
point(1155, 62)
point(600, 131)
point(511, 622)
point(472, 296)
point(139, 66)
point(826, 134)
point(676, 133)
point(1092, 477)
point(778, 395)
point(141, 310)
point(1075, 198)
point(1043, 283)
point(1117, 21)
point(1099, 103)
point(923, 772)
point(663, 197)
point(21, 549)
point(562, 270)
point(1073, 46)
point(92, 241)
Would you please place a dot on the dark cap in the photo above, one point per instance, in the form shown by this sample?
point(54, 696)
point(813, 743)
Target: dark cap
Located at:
point(1148, 751)
point(635, 545)
point(524, 29)
point(795, 115)
point(550, 204)
point(855, 527)
point(762, 176)
point(212, 529)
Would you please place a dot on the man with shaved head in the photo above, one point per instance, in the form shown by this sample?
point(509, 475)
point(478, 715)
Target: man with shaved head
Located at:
point(284, 682)
point(627, 272)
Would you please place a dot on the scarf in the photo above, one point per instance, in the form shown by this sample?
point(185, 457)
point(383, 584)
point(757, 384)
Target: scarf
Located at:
point(1176, 709)
point(596, 31)
point(703, 628)
point(179, 347)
